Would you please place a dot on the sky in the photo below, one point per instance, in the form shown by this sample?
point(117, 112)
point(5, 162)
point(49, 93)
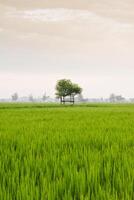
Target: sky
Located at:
point(88, 41)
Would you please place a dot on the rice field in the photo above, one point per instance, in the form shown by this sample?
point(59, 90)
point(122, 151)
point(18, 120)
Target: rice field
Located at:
point(53, 152)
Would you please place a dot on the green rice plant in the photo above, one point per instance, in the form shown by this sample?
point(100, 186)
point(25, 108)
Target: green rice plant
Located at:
point(53, 152)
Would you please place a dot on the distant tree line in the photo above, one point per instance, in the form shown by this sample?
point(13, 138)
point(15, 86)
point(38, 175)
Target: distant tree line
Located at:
point(15, 97)
point(67, 91)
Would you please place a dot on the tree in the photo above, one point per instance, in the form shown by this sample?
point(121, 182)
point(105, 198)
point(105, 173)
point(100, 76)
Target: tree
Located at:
point(116, 98)
point(15, 97)
point(31, 98)
point(65, 87)
point(119, 98)
point(45, 97)
point(112, 98)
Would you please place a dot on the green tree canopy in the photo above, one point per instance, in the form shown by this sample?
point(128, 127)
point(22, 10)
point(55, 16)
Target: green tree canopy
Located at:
point(65, 87)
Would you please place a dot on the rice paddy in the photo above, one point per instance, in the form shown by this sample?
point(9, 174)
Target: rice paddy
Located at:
point(53, 152)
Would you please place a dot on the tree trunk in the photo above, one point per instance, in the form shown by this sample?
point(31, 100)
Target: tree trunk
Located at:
point(61, 100)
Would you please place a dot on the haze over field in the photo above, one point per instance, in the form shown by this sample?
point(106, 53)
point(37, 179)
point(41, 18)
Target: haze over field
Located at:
point(88, 41)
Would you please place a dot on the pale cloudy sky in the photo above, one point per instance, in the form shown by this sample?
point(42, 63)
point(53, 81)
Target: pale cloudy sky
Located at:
point(88, 41)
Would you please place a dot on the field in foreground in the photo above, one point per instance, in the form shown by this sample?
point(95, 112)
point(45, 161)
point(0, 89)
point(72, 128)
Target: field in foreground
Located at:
point(48, 152)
